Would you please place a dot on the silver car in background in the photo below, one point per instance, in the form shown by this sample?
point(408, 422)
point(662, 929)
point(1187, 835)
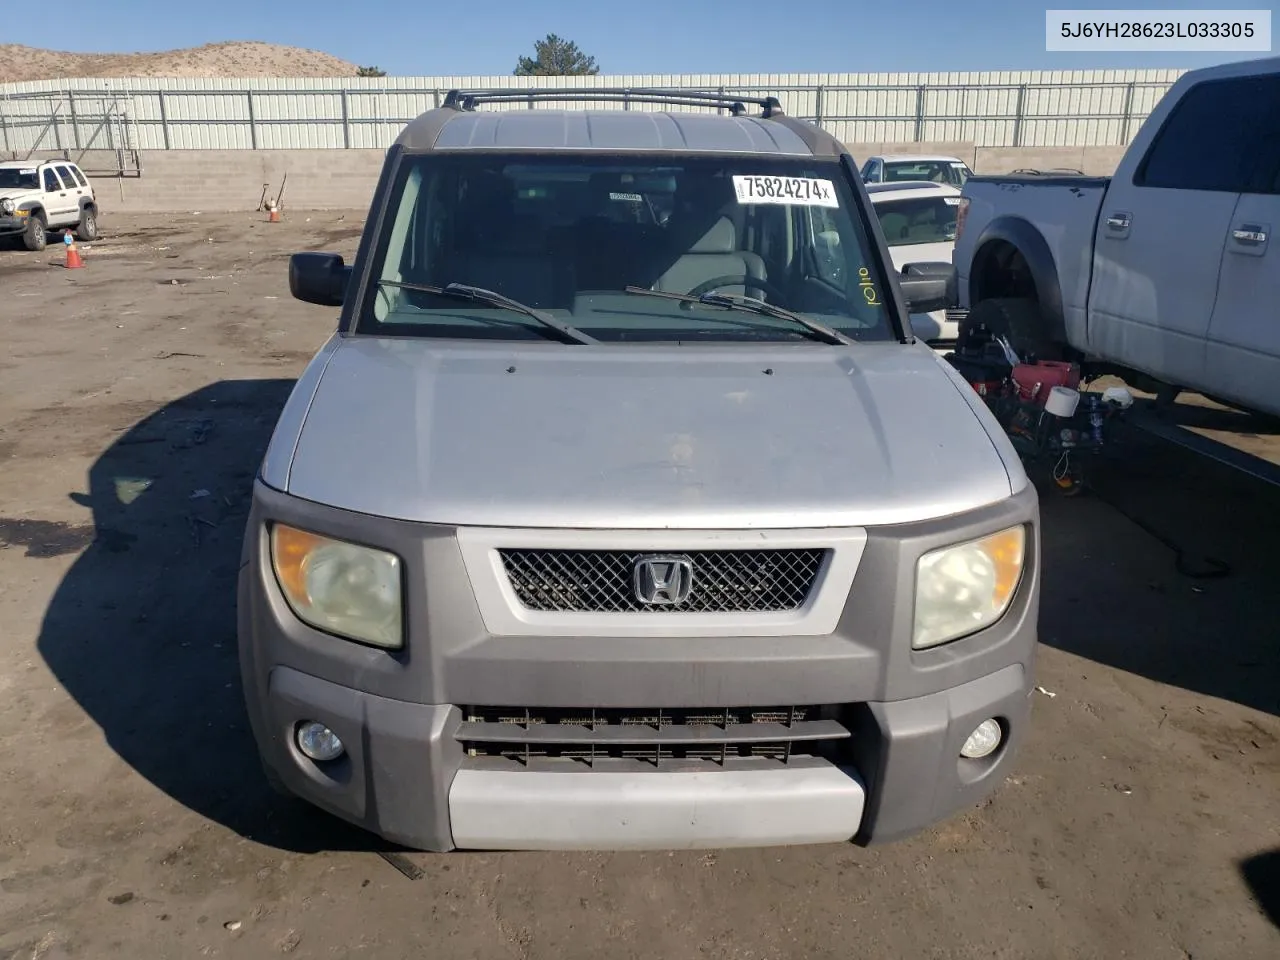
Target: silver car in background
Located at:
point(918, 220)
point(619, 512)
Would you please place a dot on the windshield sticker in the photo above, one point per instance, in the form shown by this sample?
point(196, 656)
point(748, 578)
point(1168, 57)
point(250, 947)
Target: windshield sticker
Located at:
point(868, 287)
point(794, 191)
point(633, 197)
point(952, 201)
point(26, 171)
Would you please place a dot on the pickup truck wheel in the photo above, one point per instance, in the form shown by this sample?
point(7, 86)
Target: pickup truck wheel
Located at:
point(36, 236)
point(87, 228)
point(1017, 319)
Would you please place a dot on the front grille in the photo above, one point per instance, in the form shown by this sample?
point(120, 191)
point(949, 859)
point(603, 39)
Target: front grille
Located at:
point(654, 736)
point(603, 581)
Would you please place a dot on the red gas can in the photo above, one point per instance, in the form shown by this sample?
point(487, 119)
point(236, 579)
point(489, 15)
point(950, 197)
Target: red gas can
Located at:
point(1035, 380)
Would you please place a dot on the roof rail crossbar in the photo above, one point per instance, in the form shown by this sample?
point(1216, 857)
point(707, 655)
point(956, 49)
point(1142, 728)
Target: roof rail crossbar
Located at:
point(1061, 171)
point(736, 105)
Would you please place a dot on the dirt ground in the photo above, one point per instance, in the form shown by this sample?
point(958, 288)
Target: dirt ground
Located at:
point(136, 398)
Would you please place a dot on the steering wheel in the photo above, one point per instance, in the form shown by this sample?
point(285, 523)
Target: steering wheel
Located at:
point(707, 286)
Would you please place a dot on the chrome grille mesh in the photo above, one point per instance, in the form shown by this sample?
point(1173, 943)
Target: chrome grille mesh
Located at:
point(724, 581)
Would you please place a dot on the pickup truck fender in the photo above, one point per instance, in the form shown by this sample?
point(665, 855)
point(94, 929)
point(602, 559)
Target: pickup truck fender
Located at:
point(1026, 270)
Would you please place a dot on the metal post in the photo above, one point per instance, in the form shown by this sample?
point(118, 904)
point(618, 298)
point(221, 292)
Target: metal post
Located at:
point(253, 126)
point(75, 126)
point(626, 99)
point(719, 107)
point(435, 95)
point(4, 127)
point(57, 134)
point(920, 113)
point(164, 122)
point(817, 104)
point(346, 129)
point(1128, 114)
point(1018, 115)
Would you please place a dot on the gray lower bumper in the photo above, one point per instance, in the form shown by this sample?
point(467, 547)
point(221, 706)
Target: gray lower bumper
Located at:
point(404, 777)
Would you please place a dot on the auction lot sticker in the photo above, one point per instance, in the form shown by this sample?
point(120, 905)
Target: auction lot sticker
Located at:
point(792, 191)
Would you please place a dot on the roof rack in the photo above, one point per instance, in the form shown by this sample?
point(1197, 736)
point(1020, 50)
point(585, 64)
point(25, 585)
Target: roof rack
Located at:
point(885, 186)
point(1052, 171)
point(736, 105)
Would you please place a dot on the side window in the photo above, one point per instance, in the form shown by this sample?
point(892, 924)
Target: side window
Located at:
point(1266, 146)
point(79, 177)
point(51, 184)
point(1209, 140)
point(875, 172)
point(67, 179)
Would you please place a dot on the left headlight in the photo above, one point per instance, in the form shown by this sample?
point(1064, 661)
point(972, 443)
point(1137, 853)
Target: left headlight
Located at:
point(340, 587)
point(7, 206)
point(963, 588)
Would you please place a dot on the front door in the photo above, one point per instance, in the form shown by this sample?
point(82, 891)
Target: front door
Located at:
point(59, 200)
point(1243, 355)
point(1160, 237)
point(74, 191)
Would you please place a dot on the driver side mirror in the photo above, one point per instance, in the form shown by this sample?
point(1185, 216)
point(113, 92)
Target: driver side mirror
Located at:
point(319, 278)
point(927, 287)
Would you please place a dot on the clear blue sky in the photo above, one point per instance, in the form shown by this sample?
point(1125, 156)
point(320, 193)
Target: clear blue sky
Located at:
point(419, 37)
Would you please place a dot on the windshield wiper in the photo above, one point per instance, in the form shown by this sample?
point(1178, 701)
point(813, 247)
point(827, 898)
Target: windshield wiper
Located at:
point(752, 305)
point(462, 291)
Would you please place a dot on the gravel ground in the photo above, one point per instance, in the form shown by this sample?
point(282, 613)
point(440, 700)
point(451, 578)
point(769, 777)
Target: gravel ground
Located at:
point(136, 398)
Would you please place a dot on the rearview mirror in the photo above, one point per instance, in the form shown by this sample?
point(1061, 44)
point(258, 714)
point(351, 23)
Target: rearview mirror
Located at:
point(929, 286)
point(319, 278)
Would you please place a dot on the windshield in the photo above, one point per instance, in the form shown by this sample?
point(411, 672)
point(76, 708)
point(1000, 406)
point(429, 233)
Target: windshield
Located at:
point(567, 235)
point(918, 220)
point(937, 171)
point(15, 178)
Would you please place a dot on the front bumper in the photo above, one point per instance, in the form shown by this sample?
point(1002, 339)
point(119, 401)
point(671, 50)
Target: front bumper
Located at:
point(410, 774)
point(12, 224)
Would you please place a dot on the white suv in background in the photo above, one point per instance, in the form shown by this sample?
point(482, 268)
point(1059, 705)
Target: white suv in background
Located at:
point(919, 224)
point(934, 169)
point(36, 197)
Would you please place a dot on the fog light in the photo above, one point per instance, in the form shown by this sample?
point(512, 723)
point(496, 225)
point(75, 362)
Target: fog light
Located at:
point(319, 742)
point(983, 741)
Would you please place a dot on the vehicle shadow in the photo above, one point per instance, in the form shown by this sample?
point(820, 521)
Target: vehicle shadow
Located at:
point(141, 631)
point(1261, 874)
point(1199, 416)
point(1166, 567)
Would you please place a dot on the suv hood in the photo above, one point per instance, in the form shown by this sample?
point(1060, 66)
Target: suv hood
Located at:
point(643, 437)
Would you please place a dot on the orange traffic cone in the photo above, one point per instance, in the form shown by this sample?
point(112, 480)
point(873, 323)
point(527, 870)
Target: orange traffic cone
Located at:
point(275, 214)
point(74, 261)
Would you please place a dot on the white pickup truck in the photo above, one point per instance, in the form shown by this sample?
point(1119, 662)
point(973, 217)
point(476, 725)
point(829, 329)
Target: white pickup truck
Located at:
point(1166, 273)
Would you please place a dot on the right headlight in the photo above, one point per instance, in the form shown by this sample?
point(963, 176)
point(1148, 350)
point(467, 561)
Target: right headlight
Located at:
point(340, 587)
point(7, 206)
point(967, 586)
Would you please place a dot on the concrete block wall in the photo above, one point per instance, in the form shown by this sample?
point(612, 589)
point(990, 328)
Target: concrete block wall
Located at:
point(175, 181)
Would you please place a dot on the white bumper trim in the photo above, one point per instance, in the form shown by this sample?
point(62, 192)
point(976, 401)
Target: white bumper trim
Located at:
point(590, 810)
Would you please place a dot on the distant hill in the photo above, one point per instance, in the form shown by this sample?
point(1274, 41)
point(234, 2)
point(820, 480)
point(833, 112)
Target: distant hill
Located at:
point(233, 59)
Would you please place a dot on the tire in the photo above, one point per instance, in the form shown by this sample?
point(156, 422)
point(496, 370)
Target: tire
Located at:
point(87, 228)
point(36, 237)
point(1017, 319)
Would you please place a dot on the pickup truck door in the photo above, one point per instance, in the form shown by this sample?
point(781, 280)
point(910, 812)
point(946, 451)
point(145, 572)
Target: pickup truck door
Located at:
point(1243, 352)
point(1162, 232)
